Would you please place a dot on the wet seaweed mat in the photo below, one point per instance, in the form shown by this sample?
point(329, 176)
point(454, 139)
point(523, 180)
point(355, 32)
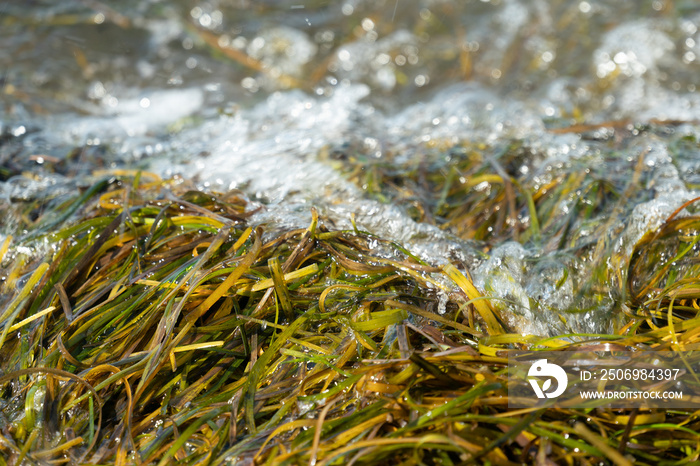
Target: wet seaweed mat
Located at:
point(147, 322)
point(575, 216)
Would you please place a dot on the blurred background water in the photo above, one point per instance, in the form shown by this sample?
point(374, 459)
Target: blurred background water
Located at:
point(290, 100)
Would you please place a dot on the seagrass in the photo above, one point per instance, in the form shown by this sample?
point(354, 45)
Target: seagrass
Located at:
point(147, 322)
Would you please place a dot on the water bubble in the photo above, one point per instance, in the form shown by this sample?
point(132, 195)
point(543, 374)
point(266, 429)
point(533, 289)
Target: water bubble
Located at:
point(239, 43)
point(19, 130)
point(251, 84)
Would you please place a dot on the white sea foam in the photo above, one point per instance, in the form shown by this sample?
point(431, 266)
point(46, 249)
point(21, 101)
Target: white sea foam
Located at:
point(132, 115)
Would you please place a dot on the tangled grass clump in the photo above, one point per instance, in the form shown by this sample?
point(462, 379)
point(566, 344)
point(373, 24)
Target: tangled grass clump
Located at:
point(160, 324)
